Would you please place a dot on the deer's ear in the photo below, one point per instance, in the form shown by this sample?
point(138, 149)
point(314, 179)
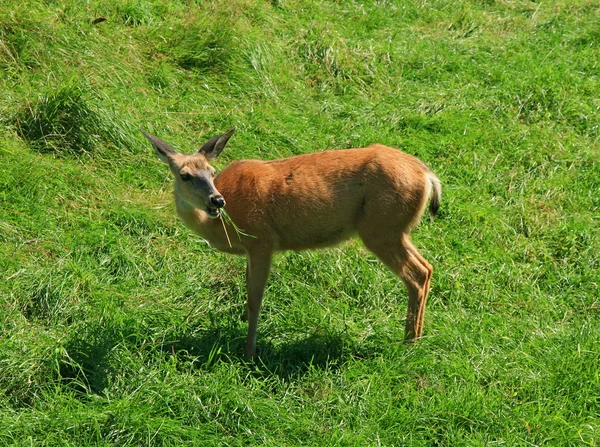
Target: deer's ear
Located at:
point(213, 147)
point(163, 150)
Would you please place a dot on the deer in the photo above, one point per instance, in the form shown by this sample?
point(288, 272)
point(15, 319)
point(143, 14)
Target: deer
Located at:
point(304, 202)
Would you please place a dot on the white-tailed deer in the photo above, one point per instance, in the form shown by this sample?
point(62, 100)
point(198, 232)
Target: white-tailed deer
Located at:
point(308, 201)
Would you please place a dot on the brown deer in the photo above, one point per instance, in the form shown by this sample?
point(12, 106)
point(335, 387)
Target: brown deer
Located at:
point(308, 201)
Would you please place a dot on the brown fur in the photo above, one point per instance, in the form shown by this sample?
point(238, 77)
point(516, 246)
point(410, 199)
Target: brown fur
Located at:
point(312, 201)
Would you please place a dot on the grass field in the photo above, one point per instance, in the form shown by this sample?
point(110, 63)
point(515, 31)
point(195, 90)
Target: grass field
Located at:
point(119, 327)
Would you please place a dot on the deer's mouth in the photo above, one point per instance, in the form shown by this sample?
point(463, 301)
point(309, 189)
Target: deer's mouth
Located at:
point(212, 212)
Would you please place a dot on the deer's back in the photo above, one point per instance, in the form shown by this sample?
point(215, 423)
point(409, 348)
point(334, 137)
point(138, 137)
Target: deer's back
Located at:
point(319, 199)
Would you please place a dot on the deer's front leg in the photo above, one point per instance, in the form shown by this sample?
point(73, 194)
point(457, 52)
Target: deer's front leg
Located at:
point(245, 314)
point(257, 272)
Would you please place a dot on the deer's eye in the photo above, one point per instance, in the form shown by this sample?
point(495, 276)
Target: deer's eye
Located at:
point(185, 177)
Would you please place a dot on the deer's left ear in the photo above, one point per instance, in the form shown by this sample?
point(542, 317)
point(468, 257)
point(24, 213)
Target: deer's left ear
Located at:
point(163, 150)
point(213, 147)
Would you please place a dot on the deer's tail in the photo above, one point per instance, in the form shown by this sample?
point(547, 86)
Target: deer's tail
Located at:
point(436, 194)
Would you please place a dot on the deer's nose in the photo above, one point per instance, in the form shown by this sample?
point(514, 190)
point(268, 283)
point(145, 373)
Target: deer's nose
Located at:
point(217, 201)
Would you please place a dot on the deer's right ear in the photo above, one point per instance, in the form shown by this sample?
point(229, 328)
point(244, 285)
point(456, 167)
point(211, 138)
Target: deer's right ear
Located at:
point(163, 150)
point(213, 147)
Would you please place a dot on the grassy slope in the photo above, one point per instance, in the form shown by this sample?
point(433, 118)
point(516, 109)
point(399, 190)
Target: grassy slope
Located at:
point(119, 327)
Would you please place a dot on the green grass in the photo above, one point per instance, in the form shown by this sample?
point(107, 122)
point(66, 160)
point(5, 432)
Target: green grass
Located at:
point(118, 327)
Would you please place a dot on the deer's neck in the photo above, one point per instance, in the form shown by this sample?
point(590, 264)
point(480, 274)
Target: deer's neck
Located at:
point(208, 228)
point(195, 219)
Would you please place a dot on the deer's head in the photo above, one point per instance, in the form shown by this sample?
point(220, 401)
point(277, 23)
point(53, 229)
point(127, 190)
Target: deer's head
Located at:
point(194, 176)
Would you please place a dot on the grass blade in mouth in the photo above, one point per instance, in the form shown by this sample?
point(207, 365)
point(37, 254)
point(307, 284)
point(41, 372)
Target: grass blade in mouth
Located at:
point(225, 229)
point(224, 215)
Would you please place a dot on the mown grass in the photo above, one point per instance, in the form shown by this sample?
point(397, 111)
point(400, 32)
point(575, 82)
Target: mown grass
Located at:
point(120, 327)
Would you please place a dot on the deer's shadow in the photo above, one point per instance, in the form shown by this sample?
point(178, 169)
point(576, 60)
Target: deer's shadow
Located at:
point(89, 364)
point(287, 359)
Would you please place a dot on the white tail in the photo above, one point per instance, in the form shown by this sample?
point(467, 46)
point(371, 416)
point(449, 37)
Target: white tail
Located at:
point(308, 201)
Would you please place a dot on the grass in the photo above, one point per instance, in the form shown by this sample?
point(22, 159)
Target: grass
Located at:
point(118, 327)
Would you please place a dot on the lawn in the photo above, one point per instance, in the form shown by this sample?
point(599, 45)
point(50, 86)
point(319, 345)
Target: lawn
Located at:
point(120, 327)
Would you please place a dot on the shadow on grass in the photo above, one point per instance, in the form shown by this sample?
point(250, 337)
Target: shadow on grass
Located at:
point(87, 367)
point(90, 360)
point(288, 360)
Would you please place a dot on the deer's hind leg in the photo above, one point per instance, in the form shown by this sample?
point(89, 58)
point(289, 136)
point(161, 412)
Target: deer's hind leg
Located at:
point(420, 315)
point(399, 254)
